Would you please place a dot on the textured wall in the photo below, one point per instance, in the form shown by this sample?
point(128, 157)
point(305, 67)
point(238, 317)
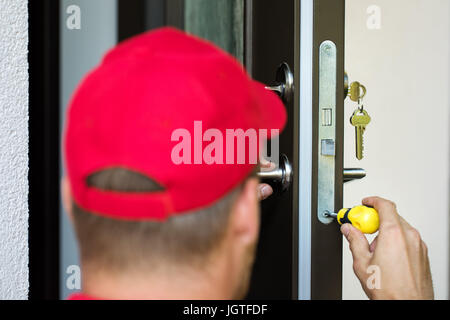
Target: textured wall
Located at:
point(13, 149)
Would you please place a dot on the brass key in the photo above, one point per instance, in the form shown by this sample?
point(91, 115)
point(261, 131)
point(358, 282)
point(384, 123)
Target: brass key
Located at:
point(357, 91)
point(360, 120)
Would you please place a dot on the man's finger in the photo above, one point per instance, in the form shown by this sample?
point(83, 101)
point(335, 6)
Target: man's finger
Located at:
point(387, 211)
point(359, 246)
point(264, 191)
point(267, 165)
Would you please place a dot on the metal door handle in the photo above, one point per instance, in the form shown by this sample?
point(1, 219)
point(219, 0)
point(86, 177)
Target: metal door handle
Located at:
point(282, 176)
point(354, 174)
point(285, 83)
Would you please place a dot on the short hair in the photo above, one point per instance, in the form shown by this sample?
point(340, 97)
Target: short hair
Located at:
point(117, 245)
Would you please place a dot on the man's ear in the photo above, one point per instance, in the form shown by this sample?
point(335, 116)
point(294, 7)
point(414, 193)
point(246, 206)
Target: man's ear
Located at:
point(245, 218)
point(66, 194)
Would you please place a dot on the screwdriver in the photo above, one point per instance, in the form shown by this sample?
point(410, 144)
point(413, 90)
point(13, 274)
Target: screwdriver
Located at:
point(363, 218)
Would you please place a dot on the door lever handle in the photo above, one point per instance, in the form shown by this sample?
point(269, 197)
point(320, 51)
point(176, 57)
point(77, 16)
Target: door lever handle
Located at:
point(354, 174)
point(280, 177)
point(285, 83)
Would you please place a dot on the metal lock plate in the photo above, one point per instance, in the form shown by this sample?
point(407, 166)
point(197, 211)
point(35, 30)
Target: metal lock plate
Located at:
point(327, 129)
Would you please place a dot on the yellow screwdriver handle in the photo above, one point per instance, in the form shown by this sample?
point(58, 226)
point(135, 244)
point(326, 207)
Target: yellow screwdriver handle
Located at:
point(363, 218)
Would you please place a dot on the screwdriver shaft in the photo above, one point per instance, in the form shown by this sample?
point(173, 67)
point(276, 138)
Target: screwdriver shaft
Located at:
point(330, 215)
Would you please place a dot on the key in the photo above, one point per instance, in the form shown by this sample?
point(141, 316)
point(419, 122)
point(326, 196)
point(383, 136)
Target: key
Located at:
point(360, 120)
point(355, 93)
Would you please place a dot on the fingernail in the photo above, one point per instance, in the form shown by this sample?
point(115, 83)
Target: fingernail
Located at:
point(345, 229)
point(266, 192)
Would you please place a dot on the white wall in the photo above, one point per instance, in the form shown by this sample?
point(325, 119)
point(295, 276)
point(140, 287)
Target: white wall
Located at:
point(13, 149)
point(405, 66)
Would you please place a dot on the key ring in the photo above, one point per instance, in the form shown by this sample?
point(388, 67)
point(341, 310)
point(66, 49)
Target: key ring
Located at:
point(361, 109)
point(360, 105)
point(364, 92)
point(361, 98)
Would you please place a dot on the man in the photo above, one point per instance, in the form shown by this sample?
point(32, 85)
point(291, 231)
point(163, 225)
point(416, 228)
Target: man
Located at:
point(159, 215)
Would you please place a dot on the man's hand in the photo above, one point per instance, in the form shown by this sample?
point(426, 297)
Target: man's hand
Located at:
point(265, 190)
point(398, 253)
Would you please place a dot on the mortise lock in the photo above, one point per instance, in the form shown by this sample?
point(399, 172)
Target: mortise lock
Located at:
point(281, 177)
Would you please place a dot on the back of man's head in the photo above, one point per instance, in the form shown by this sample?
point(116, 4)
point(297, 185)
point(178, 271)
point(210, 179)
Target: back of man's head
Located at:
point(203, 254)
point(186, 240)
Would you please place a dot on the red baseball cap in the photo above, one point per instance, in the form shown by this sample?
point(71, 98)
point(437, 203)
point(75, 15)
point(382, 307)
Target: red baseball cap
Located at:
point(125, 112)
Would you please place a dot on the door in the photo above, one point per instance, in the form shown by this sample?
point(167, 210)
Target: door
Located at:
point(270, 42)
point(299, 257)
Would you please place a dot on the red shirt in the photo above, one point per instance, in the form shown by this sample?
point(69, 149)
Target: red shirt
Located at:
point(80, 296)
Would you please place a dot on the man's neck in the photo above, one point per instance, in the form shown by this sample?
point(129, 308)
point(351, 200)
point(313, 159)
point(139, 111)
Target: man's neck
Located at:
point(184, 285)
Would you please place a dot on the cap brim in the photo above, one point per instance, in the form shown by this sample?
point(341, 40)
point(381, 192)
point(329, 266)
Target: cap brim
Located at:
point(272, 111)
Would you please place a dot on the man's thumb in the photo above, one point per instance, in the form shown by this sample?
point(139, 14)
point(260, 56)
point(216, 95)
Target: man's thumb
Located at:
point(359, 247)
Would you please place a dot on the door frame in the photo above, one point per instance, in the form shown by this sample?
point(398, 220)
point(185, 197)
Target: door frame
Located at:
point(304, 146)
point(44, 150)
point(319, 245)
